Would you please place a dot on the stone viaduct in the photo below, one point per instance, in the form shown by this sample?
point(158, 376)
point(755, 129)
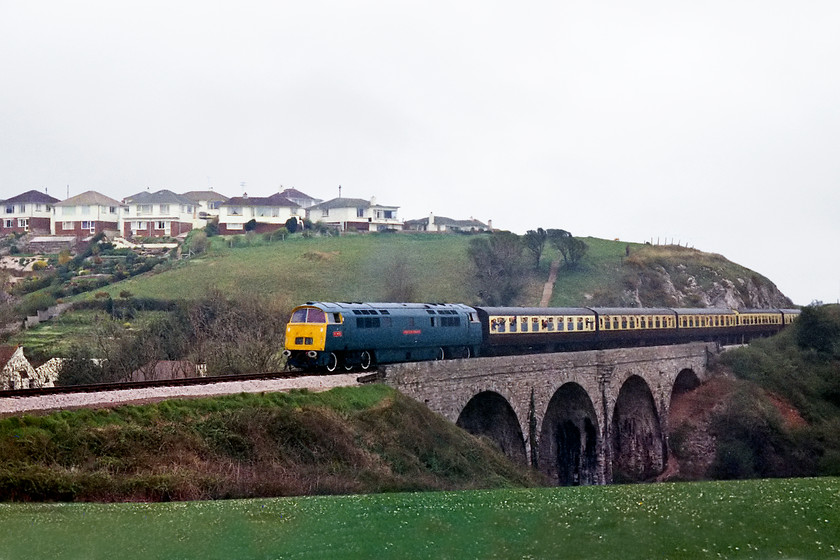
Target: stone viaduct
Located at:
point(589, 417)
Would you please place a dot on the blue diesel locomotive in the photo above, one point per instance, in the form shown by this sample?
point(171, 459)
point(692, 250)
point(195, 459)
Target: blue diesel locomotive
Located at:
point(322, 335)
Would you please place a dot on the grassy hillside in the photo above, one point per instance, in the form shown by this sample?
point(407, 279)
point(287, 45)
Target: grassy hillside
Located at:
point(438, 268)
point(346, 268)
point(352, 440)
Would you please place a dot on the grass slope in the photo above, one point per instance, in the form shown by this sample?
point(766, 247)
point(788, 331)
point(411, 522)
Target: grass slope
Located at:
point(749, 519)
point(350, 440)
point(346, 268)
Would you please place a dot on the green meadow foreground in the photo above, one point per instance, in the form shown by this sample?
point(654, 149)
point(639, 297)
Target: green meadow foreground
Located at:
point(786, 518)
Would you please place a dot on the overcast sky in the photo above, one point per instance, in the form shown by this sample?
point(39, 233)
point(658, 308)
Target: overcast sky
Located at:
point(714, 124)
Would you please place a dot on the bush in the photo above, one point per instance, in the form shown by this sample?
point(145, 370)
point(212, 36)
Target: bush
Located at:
point(35, 302)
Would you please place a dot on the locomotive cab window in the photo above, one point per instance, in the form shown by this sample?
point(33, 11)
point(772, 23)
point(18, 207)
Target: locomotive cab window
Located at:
point(309, 315)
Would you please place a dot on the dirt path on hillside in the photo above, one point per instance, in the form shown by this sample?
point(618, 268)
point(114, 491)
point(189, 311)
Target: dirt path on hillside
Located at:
point(548, 289)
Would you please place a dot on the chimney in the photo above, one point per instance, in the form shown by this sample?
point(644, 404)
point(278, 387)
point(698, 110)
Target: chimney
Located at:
point(431, 219)
point(373, 201)
point(490, 225)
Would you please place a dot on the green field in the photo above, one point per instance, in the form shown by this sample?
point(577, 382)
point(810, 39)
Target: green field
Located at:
point(346, 268)
point(358, 268)
point(748, 519)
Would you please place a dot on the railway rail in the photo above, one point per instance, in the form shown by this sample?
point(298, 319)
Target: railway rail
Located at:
point(20, 401)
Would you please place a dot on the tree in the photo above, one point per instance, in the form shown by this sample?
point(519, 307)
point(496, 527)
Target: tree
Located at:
point(499, 267)
point(572, 248)
point(401, 285)
point(535, 243)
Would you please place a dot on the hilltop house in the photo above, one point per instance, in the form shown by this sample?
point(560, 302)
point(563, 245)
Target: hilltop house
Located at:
point(269, 213)
point(85, 214)
point(355, 214)
point(441, 224)
point(301, 199)
point(206, 205)
point(157, 214)
point(29, 211)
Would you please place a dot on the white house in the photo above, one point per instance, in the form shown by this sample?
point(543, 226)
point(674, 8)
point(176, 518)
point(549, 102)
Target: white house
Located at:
point(355, 214)
point(268, 213)
point(157, 214)
point(29, 211)
point(442, 224)
point(85, 214)
point(207, 204)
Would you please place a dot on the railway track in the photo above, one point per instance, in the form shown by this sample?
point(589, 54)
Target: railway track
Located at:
point(112, 394)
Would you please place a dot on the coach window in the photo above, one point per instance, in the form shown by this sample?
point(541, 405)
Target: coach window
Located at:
point(624, 322)
point(615, 323)
point(570, 324)
point(549, 324)
point(512, 323)
point(535, 324)
point(604, 323)
point(580, 323)
point(656, 322)
point(523, 324)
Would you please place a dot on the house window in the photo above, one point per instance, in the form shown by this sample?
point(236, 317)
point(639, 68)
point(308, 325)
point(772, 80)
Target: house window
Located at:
point(68, 211)
point(88, 225)
point(112, 209)
point(164, 209)
point(232, 227)
point(234, 211)
point(22, 208)
point(325, 212)
point(85, 210)
point(144, 209)
point(23, 223)
point(8, 223)
point(38, 207)
point(389, 214)
point(139, 225)
point(360, 212)
point(10, 209)
point(161, 225)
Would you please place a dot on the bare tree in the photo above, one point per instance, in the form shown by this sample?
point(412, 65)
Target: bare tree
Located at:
point(499, 267)
point(401, 285)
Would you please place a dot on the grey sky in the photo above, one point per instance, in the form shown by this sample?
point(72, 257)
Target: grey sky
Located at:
point(716, 124)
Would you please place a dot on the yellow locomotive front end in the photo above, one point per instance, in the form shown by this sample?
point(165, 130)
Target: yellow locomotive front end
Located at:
point(307, 335)
point(307, 330)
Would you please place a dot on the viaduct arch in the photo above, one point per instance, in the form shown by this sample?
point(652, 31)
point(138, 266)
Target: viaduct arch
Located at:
point(589, 417)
